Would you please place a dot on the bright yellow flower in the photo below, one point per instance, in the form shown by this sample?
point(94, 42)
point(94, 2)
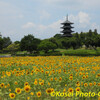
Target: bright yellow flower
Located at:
point(18, 90)
point(48, 91)
point(78, 89)
point(70, 90)
point(2, 85)
point(12, 95)
point(26, 83)
point(31, 93)
point(27, 88)
point(35, 82)
point(85, 84)
point(38, 94)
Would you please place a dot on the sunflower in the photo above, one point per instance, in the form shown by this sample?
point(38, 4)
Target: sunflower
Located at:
point(51, 79)
point(12, 95)
point(46, 72)
point(38, 94)
point(28, 98)
point(70, 90)
point(60, 78)
point(9, 90)
point(26, 83)
point(83, 77)
point(80, 73)
point(41, 83)
point(35, 79)
point(81, 83)
point(71, 78)
point(90, 84)
point(77, 82)
point(98, 84)
point(18, 90)
point(94, 83)
point(78, 89)
point(49, 90)
point(35, 82)
point(2, 85)
point(40, 79)
point(31, 93)
point(27, 88)
point(85, 84)
point(42, 71)
point(64, 90)
point(86, 76)
point(5, 86)
point(16, 83)
point(8, 85)
point(55, 78)
point(52, 90)
point(49, 83)
point(65, 84)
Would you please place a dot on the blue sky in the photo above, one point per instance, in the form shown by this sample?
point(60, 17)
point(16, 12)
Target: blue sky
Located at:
point(42, 18)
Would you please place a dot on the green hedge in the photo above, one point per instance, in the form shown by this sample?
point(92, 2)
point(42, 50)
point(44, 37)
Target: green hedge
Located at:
point(45, 54)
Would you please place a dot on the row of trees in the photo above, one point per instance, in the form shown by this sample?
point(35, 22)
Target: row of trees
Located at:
point(31, 44)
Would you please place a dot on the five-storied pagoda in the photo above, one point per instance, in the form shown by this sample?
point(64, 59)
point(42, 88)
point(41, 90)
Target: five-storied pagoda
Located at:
point(67, 28)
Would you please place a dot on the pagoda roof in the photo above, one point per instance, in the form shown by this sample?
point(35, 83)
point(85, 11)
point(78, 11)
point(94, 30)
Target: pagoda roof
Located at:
point(67, 22)
point(65, 31)
point(67, 27)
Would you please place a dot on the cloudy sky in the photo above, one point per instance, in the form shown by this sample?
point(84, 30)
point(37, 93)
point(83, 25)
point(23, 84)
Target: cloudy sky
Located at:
point(42, 18)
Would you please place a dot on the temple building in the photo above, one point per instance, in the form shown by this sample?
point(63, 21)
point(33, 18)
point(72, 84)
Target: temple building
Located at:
point(67, 28)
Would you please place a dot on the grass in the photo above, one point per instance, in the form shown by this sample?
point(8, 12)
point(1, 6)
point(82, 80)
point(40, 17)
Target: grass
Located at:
point(80, 52)
point(76, 52)
point(4, 54)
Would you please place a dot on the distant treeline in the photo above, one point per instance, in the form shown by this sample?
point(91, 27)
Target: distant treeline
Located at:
point(31, 44)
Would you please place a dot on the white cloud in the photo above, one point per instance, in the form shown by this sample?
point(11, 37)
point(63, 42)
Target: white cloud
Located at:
point(28, 25)
point(84, 18)
point(83, 22)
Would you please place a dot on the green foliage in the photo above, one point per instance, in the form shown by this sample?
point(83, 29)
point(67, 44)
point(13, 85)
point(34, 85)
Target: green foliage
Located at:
point(13, 47)
point(29, 43)
point(6, 42)
point(46, 45)
point(17, 42)
point(1, 43)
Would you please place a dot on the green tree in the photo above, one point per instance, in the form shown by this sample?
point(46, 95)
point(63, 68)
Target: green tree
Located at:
point(66, 43)
point(7, 42)
point(17, 42)
point(46, 45)
point(76, 35)
point(90, 33)
point(29, 43)
point(1, 43)
point(58, 36)
point(95, 32)
point(13, 47)
point(82, 38)
point(53, 40)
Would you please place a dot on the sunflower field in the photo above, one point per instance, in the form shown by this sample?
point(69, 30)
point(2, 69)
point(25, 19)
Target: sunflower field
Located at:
point(50, 78)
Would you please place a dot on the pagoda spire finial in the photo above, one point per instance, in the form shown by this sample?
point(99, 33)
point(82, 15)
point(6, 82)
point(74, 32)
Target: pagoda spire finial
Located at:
point(67, 17)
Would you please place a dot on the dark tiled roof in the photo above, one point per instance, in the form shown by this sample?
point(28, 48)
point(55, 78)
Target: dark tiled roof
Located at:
point(67, 27)
point(67, 22)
